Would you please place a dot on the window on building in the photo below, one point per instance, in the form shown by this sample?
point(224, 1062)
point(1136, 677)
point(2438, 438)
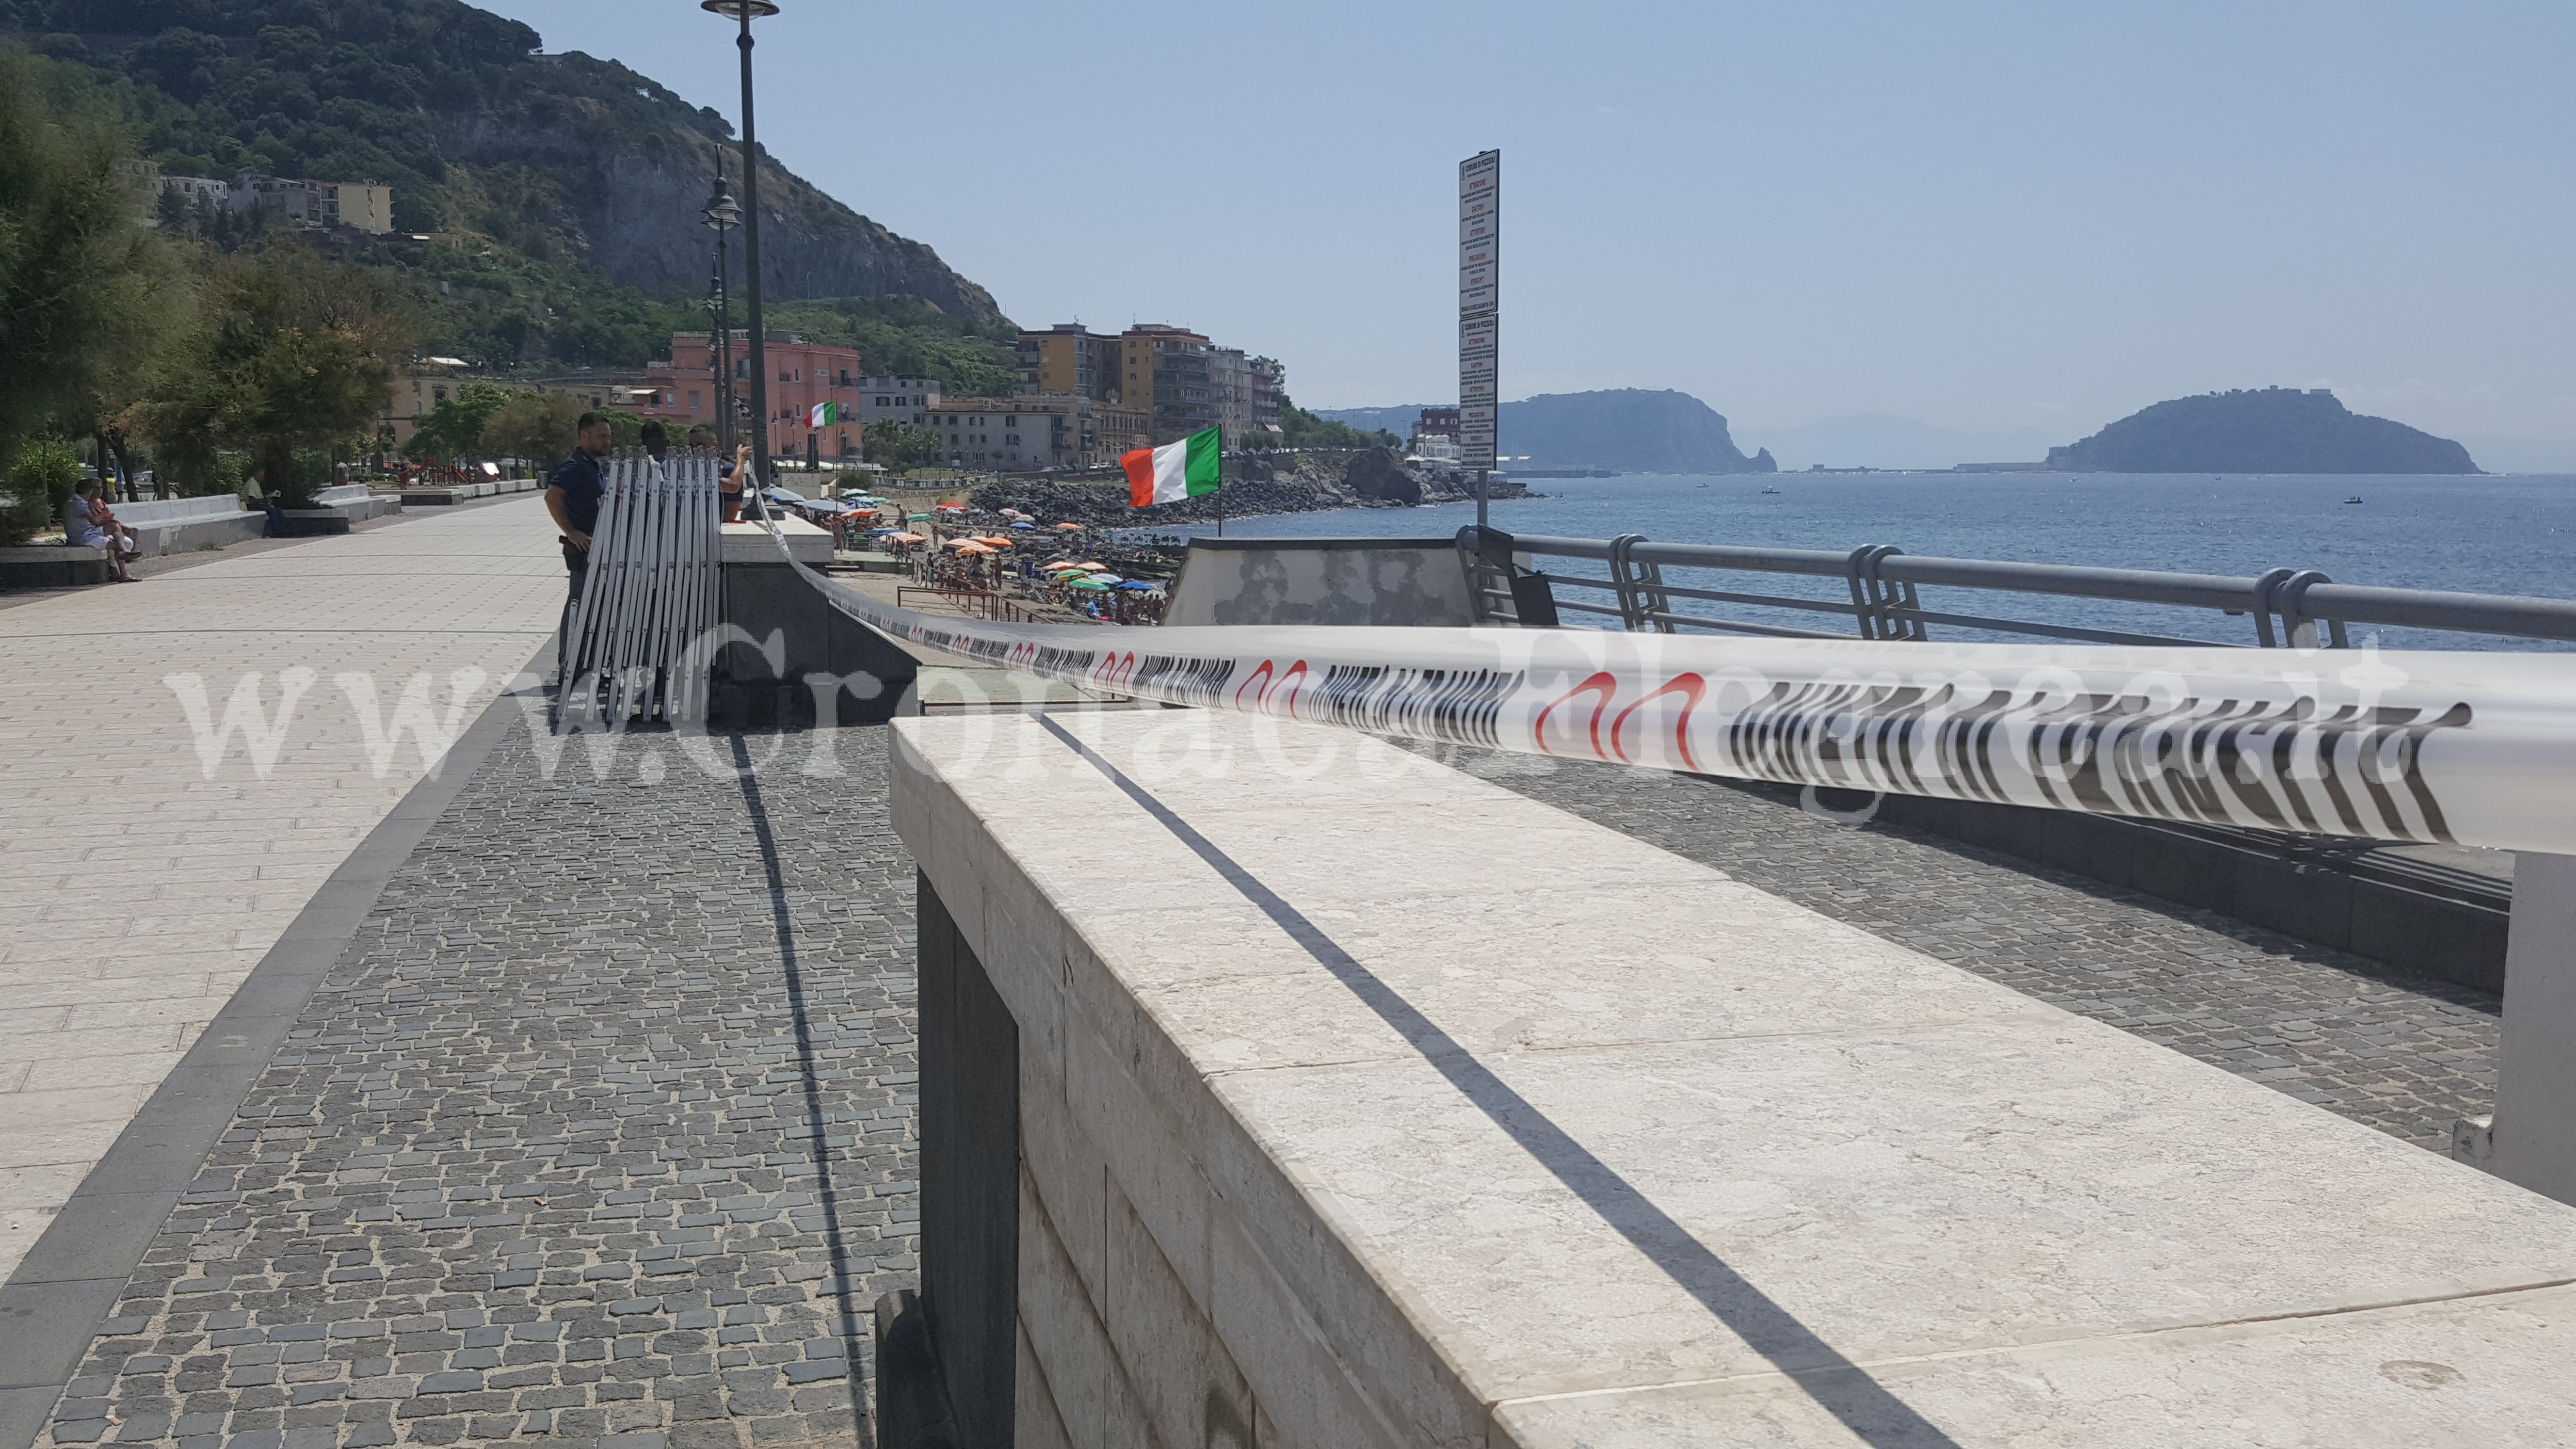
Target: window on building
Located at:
point(693, 402)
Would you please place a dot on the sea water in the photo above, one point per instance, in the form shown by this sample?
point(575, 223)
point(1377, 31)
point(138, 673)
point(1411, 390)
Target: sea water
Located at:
point(2489, 535)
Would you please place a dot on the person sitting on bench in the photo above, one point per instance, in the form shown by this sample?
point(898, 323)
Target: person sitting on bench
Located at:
point(81, 529)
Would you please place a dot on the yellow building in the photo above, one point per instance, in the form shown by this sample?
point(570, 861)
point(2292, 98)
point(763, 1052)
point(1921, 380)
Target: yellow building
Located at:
point(1069, 357)
point(365, 205)
point(418, 388)
point(1175, 379)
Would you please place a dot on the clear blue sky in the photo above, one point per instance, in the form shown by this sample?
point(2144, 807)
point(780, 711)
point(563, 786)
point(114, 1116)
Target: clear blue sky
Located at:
point(1983, 216)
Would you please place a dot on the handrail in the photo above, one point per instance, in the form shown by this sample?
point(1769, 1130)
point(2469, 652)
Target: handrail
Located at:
point(2289, 607)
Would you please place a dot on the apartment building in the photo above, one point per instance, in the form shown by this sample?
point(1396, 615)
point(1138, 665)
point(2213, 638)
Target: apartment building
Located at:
point(417, 389)
point(360, 204)
point(1069, 357)
point(897, 399)
point(803, 375)
point(1035, 431)
point(1179, 379)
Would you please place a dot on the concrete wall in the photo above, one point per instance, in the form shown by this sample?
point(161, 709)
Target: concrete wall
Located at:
point(1362, 1103)
point(971, 1179)
point(1403, 581)
point(831, 665)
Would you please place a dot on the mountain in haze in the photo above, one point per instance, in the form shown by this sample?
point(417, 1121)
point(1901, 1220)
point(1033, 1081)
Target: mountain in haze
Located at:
point(1629, 430)
point(511, 157)
point(2266, 430)
point(1398, 421)
point(1881, 440)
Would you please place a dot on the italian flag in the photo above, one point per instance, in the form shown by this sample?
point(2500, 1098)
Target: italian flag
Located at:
point(822, 415)
point(1173, 471)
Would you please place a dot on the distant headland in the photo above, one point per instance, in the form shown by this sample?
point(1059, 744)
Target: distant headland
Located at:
point(2266, 430)
point(1595, 434)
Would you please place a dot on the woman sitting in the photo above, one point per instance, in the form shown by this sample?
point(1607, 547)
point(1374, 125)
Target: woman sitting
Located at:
point(83, 529)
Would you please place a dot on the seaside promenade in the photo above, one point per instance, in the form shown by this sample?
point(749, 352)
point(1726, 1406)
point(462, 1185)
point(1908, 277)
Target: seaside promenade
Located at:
point(150, 859)
point(574, 1096)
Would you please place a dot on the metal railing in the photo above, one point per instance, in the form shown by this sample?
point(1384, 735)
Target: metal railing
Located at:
point(2297, 608)
point(981, 604)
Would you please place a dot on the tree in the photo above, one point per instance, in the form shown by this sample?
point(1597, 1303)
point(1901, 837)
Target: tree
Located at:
point(454, 428)
point(898, 445)
point(297, 356)
point(87, 293)
point(531, 425)
point(1299, 428)
point(40, 482)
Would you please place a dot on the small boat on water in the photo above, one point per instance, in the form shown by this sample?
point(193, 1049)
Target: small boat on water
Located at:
point(1770, 490)
point(2352, 500)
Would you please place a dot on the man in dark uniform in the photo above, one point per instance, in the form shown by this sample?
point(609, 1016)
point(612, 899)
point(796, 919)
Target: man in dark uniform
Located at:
point(572, 497)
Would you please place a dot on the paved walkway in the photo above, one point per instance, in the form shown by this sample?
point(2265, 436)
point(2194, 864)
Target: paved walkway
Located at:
point(599, 1132)
point(2407, 1057)
point(138, 886)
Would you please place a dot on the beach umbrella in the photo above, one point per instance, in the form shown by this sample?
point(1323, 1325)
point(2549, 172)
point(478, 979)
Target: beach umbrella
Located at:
point(1135, 584)
point(1086, 584)
point(1105, 577)
point(1023, 523)
point(1076, 527)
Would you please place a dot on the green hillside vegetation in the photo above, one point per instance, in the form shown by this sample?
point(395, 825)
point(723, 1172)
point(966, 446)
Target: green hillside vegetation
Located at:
point(1299, 428)
point(534, 259)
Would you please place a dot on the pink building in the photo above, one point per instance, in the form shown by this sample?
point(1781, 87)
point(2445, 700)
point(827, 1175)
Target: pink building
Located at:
point(802, 375)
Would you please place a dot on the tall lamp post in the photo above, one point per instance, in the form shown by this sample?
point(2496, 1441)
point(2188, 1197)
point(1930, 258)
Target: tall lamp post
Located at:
point(744, 12)
point(722, 216)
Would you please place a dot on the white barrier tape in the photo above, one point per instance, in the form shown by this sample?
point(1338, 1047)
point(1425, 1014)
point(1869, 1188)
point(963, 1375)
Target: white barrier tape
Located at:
point(2426, 746)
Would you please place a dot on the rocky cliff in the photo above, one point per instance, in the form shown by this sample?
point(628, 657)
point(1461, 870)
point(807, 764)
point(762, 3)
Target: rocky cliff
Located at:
point(544, 158)
point(2266, 430)
point(631, 207)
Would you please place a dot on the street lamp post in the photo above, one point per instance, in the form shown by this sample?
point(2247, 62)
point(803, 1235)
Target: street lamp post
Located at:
point(744, 12)
point(722, 216)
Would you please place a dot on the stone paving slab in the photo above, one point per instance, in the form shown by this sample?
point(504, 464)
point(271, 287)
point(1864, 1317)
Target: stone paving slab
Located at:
point(2407, 1056)
point(599, 1132)
point(138, 886)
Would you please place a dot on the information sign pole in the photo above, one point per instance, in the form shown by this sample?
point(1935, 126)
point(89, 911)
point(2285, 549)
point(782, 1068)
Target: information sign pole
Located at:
point(1480, 241)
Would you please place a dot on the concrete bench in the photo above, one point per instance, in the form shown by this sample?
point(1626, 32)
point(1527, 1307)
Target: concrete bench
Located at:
point(53, 566)
point(183, 525)
point(359, 502)
point(1288, 1089)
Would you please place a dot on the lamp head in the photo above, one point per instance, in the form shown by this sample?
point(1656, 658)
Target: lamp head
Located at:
point(740, 9)
point(721, 212)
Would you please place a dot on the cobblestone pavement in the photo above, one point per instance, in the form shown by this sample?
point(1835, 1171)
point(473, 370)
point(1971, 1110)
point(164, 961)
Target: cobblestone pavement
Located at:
point(2405, 1056)
point(600, 1132)
point(210, 834)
